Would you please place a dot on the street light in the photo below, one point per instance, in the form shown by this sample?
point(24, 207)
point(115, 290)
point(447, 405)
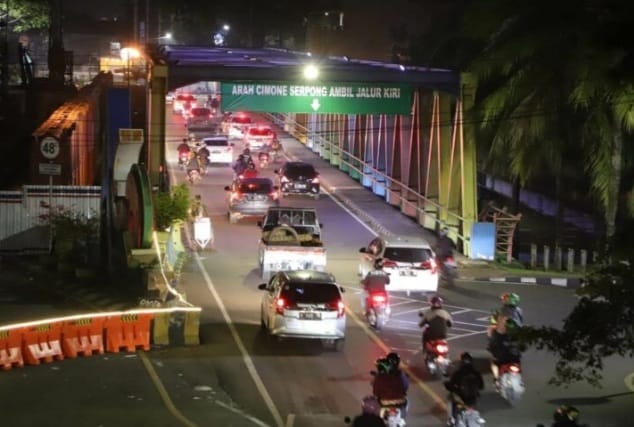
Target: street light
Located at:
point(128, 53)
point(311, 72)
point(220, 35)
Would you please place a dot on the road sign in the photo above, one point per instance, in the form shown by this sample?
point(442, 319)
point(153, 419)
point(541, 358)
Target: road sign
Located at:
point(351, 98)
point(130, 136)
point(49, 147)
point(50, 168)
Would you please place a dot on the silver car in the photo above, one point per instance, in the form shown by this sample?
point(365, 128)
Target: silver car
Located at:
point(304, 304)
point(250, 197)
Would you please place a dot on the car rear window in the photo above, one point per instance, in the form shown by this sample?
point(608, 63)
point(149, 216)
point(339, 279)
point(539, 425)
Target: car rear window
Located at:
point(185, 98)
point(257, 131)
point(201, 112)
point(259, 187)
point(241, 119)
point(310, 293)
point(300, 170)
point(216, 142)
point(407, 254)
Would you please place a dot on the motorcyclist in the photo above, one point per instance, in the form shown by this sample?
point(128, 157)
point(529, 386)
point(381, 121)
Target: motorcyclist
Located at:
point(183, 150)
point(370, 414)
point(566, 416)
point(435, 322)
point(373, 283)
point(250, 171)
point(193, 165)
point(465, 384)
point(203, 157)
point(243, 161)
point(503, 347)
point(390, 384)
point(444, 249)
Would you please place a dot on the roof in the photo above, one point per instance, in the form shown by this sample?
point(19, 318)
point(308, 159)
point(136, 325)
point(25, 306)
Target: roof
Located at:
point(190, 64)
point(310, 276)
point(406, 241)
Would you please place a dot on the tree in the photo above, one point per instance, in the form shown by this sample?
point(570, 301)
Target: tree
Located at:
point(600, 325)
point(24, 15)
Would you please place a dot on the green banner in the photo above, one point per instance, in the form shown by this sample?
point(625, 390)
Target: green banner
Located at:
point(347, 98)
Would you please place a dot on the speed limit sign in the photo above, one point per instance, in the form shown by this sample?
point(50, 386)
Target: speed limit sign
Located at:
point(49, 147)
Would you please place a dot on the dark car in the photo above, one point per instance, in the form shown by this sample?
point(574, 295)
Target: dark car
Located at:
point(250, 197)
point(298, 178)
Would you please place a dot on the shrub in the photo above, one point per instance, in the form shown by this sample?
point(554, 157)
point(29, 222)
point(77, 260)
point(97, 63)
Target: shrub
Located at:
point(171, 206)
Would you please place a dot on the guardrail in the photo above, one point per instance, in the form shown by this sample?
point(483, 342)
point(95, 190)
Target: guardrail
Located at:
point(406, 196)
point(48, 340)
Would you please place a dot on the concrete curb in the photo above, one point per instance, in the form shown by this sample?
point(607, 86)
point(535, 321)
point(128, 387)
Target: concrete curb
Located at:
point(562, 282)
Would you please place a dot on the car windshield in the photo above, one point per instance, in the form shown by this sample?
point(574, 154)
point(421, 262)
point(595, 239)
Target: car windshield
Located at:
point(292, 217)
point(201, 112)
point(258, 187)
point(300, 170)
point(309, 293)
point(185, 98)
point(413, 255)
point(257, 131)
point(216, 142)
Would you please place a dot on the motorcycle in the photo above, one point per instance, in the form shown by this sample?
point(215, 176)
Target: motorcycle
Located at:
point(436, 357)
point(466, 417)
point(378, 310)
point(183, 159)
point(392, 416)
point(510, 384)
point(263, 157)
point(448, 269)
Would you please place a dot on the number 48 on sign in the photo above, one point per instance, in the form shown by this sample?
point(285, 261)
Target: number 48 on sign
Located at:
point(49, 147)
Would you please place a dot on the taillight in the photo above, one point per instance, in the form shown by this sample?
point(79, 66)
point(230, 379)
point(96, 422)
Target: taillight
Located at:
point(389, 264)
point(315, 180)
point(430, 264)
point(514, 368)
point(379, 298)
point(279, 305)
point(284, 179)
point(442, 348)
point(274, 195)
point(339, 306)
point(236, 195)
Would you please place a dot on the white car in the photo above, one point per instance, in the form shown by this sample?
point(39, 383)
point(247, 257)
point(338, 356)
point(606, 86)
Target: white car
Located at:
point(237, 125)
point(220, 149)
point(259, 136)
point(180, 100)
point(410, 262)
point(304, 304)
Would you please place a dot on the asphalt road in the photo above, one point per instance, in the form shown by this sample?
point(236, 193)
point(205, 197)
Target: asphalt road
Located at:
point(238, 378)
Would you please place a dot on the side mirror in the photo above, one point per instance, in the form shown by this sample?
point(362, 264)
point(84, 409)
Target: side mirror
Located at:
point(420, 314)
point(227, 188)
point(342, 289)
point(262, 286)
point(321, 225)
point(275, 188)
point(276, 171)
point(362, 250)
point(373, 373)
point(259, 224)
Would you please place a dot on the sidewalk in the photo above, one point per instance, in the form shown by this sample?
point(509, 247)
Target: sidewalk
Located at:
point(386, 219)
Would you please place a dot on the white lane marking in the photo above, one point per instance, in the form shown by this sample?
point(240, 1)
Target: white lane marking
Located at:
point(629, 381)
point(466, 310)
point(248, 361)
point(242, 413)
point(290, 420)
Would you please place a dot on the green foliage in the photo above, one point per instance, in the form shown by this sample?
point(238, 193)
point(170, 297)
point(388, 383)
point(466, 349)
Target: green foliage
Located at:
point(27, 15)
point(171, 207)
point(600, 325)
point(70, 225)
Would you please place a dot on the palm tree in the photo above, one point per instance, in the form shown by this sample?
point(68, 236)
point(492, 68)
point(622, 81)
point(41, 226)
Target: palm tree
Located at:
point(547, 75)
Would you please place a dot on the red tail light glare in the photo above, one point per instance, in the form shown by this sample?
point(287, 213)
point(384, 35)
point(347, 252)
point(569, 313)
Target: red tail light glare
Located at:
point(315, 180)
point(442, 348)
point(430, 264)
point(279, 305)
point(379, 298)
point(514, 369)
point(341, 308)
point(284, 179)
point(236, 195)
point(389, 264)
point(274, 195)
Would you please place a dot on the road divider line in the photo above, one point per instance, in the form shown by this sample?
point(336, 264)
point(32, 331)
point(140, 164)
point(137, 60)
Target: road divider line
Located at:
point(290, 420)
point(244, 414)
point(248, 361)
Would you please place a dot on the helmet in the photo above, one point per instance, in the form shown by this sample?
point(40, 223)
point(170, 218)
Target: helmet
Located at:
point(510, 298)
point(383, 366)
point(436, 302)
point(465, 357)
point(444, 232)
point(378, 264)
point(393, 359)
point(251, 165)
point(370, 404)
point(246, 151)
point(566, 413)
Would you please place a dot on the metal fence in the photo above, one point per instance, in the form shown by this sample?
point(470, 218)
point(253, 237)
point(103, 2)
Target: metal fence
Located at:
point(22, 227)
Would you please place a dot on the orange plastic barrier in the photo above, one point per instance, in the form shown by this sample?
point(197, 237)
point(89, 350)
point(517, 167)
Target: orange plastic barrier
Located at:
point(129, 331)
point(83, 336)
point(11, 348)
point(43, 343)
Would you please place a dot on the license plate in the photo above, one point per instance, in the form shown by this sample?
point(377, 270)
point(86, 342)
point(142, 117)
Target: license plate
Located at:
point(406, 273)
point(216, 152)
point(300, 186)
point(310, 316)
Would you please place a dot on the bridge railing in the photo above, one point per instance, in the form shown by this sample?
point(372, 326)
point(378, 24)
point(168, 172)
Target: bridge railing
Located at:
point(408, 199)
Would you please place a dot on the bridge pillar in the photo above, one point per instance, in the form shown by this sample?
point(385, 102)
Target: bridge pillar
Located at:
point(157, 89)
point(469, 196)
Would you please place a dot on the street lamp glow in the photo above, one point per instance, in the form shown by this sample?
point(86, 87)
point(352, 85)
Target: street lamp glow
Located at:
point(311, 72)
point(226, 27)
point(168, 36)
point(128, 53)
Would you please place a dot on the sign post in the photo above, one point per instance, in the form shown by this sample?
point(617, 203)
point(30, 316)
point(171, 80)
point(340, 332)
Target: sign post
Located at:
point(49, 147)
